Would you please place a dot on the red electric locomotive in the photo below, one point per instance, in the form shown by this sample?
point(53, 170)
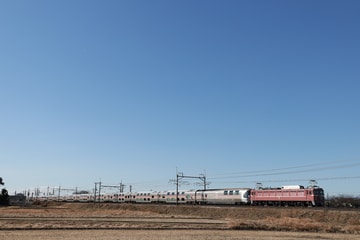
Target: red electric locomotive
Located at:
point(288, 195)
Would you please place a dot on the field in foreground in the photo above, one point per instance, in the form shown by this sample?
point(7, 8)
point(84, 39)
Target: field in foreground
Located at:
point(166, 235)
point(112, 221)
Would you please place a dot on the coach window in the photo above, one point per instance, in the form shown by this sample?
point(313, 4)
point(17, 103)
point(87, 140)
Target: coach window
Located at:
point(237, 192)
point(231, 192)
point(225, 192)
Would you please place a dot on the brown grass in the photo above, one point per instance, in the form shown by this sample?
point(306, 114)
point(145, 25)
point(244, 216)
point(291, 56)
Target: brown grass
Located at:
point(316, 220)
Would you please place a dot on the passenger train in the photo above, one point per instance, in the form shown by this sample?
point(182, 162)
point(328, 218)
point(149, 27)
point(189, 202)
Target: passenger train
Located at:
point(296, 195)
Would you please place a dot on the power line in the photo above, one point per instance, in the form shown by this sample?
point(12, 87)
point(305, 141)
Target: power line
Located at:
point(298, 179)
point(291, 167)
point(273, 172)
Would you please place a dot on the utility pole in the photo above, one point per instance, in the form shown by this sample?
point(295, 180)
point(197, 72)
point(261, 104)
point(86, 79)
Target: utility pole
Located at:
point(99, 186)
point(180, 176)
point(122, 187)
point(177, 187)
point(96, 190)
point(59, 193)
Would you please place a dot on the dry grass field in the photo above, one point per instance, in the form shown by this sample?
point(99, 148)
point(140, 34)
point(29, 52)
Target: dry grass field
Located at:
point(115, 221)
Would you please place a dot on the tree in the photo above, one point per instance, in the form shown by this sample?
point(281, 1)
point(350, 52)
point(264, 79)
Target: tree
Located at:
point(4, 196)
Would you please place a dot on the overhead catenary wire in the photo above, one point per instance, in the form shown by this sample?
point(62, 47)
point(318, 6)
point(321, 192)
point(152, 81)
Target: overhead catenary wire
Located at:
point(292, 180)
point(282, 171)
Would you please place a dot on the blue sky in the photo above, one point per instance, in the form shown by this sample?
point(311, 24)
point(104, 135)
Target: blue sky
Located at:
point(244, 91)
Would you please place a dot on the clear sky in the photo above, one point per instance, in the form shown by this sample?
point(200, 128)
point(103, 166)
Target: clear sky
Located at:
point(131, 91)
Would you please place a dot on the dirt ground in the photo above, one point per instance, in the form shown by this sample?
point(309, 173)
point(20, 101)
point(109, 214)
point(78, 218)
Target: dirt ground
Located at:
point(165, 235)
point(116, 221)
